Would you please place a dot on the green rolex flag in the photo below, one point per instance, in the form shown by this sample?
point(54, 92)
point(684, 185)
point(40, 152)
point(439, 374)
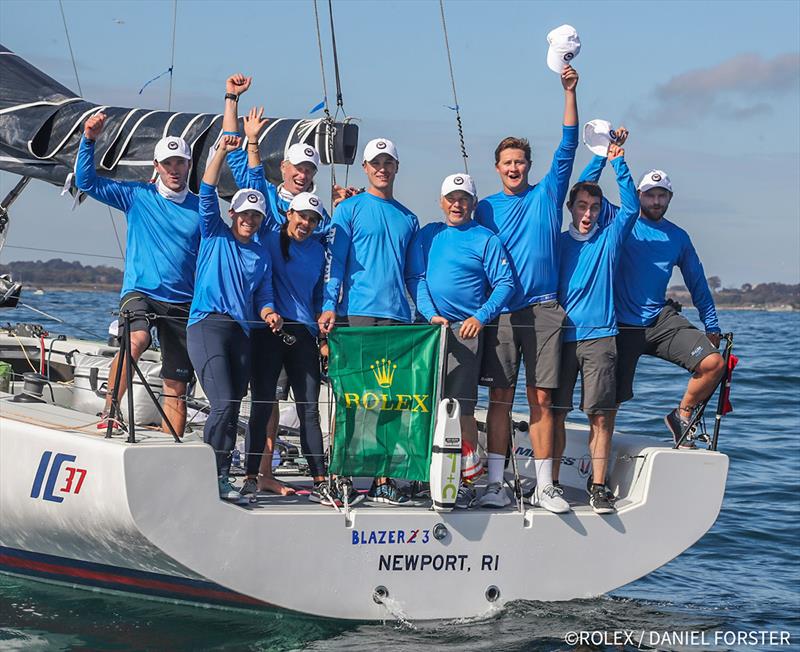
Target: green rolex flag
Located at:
point(386, 383)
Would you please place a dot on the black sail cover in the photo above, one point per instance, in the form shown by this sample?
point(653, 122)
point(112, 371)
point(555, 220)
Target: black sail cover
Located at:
point(41, 123)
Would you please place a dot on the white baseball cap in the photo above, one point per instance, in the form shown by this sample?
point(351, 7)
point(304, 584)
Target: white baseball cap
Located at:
point(462, 182)
point(172, 146)
point(380, 146)
point(654, 179)
point(248, 199)
point(564, 47)
point(302, 153)
point(597, 135)
point(307, 201)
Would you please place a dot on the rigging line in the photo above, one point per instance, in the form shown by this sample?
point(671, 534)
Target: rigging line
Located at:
point(321, 60)
point(328, 121)
point(59, 251)
point(172, 62)
point(60, 321)
point(339, 101)
point(69, 45)
point(464, 154)
point(116, 233)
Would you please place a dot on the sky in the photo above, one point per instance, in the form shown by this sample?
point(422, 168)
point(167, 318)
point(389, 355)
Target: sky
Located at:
point(709, 90)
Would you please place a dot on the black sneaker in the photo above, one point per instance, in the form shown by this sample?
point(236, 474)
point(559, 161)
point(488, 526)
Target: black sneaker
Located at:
point(387, 493)
point(599, 500)
point(342, 487)
point(322, 494)
point(609, 494)
point(418, 493)
point(677, 426)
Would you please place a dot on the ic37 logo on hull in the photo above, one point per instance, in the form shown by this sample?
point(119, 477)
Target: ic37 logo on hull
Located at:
point(73, 482)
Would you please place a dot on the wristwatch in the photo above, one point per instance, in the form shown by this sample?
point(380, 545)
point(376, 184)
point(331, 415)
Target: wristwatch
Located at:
point(232, 96)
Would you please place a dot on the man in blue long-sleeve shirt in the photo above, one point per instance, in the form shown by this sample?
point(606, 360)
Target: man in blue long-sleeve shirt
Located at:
point(162, 245)
point(527, 220)
point(649, 323)
point(460, 277)
point(589, 257)
point(369, 241)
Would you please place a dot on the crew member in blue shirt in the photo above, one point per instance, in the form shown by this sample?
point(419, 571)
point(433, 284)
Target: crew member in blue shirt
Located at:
point(162, 244)
point(649, 323)
point(589, 257)
point(528, 221)
point(298, 170)
point(460, 278)
point(369, 241)
point(233, 275)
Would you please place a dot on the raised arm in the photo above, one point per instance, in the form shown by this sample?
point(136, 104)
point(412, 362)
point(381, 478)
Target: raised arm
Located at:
point(114, 193)
point(556, 182)
point(695, 278)
point(628, 213)
point(210, 219)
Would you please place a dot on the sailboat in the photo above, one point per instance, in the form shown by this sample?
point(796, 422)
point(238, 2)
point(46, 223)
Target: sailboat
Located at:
point(142, 515)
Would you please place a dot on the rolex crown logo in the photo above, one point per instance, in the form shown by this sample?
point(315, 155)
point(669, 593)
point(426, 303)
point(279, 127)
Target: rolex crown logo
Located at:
point(384, 372)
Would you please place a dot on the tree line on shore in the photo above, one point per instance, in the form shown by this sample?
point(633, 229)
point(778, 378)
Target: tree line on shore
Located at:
point(58, 273)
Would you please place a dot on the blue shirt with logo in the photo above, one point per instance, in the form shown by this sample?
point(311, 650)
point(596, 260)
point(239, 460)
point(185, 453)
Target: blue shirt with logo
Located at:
point(528, 225)
point(163, 236)
point(232, 277)
point(649, 255)
point(459, 272)
point(369, 242)
point(587, 268)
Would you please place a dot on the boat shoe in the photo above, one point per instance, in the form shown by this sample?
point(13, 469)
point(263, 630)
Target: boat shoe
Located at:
point(677, 426)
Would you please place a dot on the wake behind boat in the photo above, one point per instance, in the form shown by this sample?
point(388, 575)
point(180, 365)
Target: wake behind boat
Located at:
point(146, 518)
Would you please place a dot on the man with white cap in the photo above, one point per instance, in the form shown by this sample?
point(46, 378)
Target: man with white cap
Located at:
point(234, 274)
point(528, 221)
point(298, 169)
point(370, 236)
point(460, 277)
point(589, 257)
point(162, 244)
point(649, 323)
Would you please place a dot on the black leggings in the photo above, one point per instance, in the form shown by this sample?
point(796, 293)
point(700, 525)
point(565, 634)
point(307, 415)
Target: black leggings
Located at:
point(220, 353)
point(301, 361)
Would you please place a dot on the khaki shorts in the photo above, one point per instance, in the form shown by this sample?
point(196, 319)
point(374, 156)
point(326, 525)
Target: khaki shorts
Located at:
point(532, 335)
point(596, 361)
point(670, 338)
point(463, 369)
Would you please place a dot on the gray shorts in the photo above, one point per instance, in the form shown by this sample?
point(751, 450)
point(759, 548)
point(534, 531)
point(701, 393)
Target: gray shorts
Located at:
point(670, 338)
point(463, 369)
point(532, 334)
point(357, 320)
point(596, 361)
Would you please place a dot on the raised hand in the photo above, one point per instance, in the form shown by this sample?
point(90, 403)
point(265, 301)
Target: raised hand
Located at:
point(94, 126)
point(254, 122)
point(569, 78)
point(615, 151)
point(622, 135)
point(230, 143)
point(237, 84)
point(340, 193)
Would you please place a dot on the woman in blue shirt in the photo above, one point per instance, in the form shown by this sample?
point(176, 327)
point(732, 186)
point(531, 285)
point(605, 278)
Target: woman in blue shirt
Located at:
point(234, 274)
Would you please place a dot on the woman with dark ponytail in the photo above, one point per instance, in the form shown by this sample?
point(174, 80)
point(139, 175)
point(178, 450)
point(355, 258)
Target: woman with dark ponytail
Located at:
point(298, 262)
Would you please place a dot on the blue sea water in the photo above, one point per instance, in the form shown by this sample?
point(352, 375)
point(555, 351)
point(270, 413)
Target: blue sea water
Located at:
point(743, 576)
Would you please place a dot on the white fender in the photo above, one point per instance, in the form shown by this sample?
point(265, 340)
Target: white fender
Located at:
point(446, 457)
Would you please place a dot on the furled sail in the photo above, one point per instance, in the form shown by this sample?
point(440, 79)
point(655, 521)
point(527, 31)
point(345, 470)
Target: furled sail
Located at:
point(41, 123)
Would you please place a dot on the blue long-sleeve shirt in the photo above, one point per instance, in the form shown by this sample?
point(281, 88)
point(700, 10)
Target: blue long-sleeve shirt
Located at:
point(163, 236)
point(459, 272)
point(232, 277)
point(297, 283)
point(587, 268)
point(529, 224)
point(369, 242)
point(648, 257)
point(249, 177)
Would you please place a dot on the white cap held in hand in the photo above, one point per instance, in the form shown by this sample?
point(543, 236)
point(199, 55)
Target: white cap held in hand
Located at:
point(598, 135)
point(564, 47)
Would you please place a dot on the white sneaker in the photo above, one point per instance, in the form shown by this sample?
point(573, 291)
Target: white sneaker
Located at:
point(494, 496)
point(550, 499)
